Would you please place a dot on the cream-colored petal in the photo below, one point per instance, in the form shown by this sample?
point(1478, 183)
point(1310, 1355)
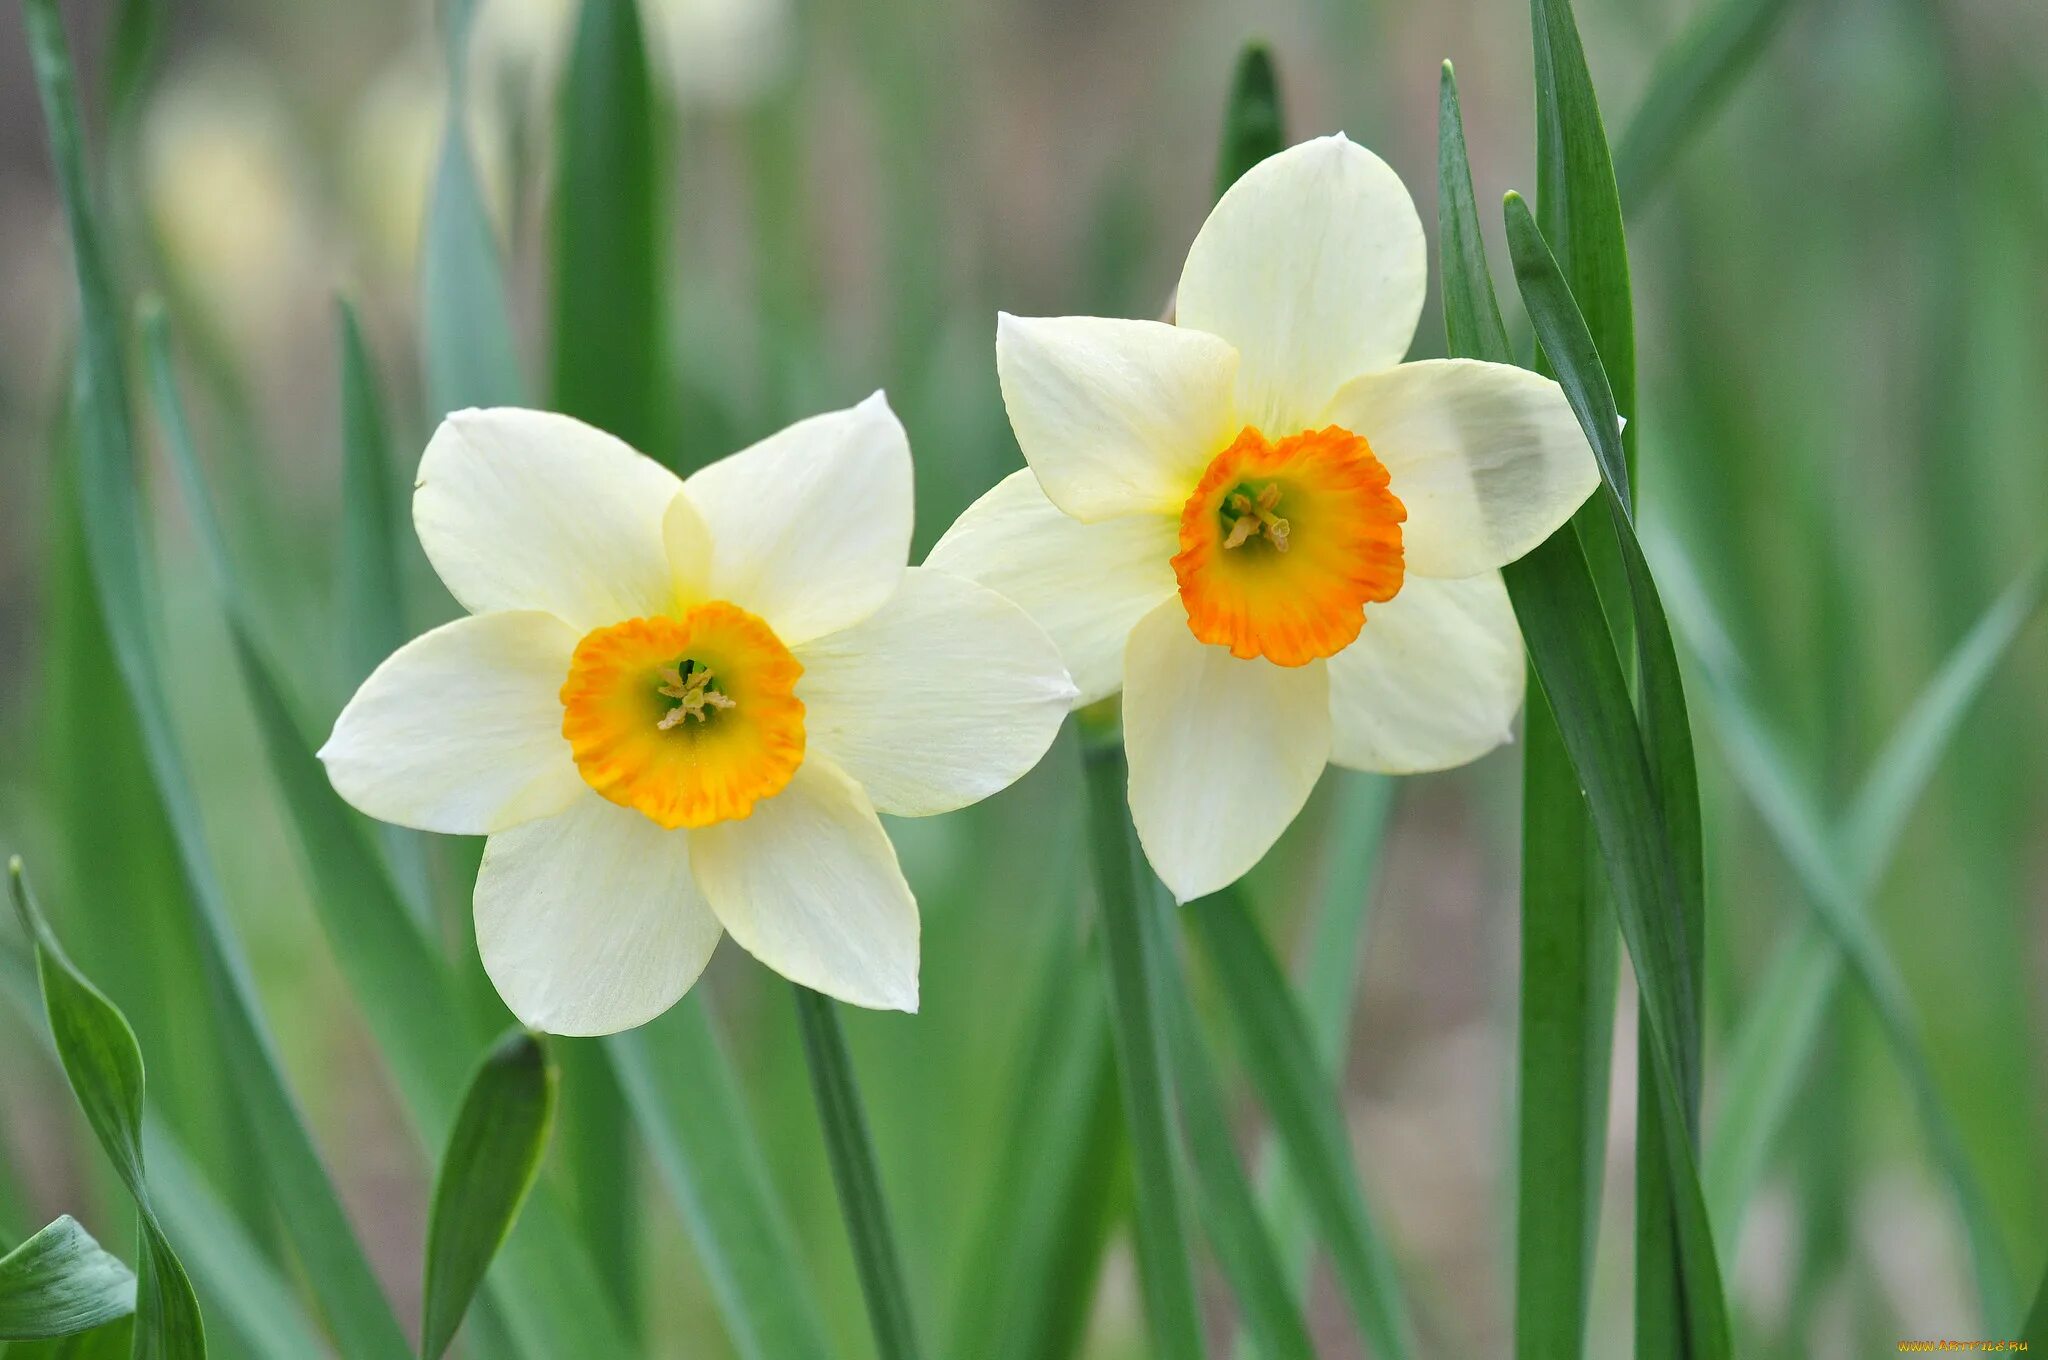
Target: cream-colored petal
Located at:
point(460, 730)
point(1116, 417)
point(589, 922)
point(810, 528)
point(1433, 681)
point(1223, 752)
point(1488, 458)
point(809, 885)
point(1313, 266)
point(687, 540)
point(532, 510)
point(1087, 585)
point(943, 696)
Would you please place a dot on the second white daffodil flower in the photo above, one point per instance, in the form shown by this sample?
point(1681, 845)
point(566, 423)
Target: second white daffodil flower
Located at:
point(677, 707)
point(1278, 540)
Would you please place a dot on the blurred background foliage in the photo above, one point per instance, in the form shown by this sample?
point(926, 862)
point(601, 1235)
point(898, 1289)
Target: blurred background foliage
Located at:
point(1841, 276)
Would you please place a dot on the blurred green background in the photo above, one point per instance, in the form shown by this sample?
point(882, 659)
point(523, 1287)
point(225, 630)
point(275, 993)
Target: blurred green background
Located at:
point(1841, 279)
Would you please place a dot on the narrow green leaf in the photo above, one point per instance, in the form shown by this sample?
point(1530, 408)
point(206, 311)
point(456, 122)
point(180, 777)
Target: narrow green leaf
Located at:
point(372, 596)
point(465, 319)
point(1780, 1028)
point(1332, 971)
point(1840, 909)
point(1273, 1323)
point(104, 1066)
point(1691, 80)
point(548, 1289)
point(851, 1150)
point(1675, 1247)
point(679, 1085)
point(316, 1226)
point(1254, 125)
point(2034, 1331)
point(1568, 943)
point(1122, 888)
point(609, 301)
point(242, 1289)
point(1281, 1059)
point(493, 1155)
point(1062, 1088)
point(59, 1282)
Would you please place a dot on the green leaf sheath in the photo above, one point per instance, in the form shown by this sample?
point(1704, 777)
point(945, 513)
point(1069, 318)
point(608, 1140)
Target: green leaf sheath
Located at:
point(60, 1282)
point(609, 299)
point(1568, 945)
point(851, 1151)
point(1254, 124)
point(1123, 888)
point(493, 1155)
point(104, 1066)
point(1281, 1059)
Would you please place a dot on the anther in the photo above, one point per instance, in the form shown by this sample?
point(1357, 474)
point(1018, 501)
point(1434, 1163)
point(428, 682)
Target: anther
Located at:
point(692, 692)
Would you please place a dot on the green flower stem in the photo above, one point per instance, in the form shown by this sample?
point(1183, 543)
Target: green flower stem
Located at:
point(1123, 889)
point(852, 1153)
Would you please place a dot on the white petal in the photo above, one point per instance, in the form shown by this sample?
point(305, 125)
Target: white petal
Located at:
point(1087, 585)
point(1116, 417)
point(810, 527)
point(1433, 681)
point(532, 510)
point(1488, 458)
point(589, 921)
point(943, 696)
point(1313, 266)
point(687, 540)
point(460, 730)
point(809, 885)
point(1223, 752)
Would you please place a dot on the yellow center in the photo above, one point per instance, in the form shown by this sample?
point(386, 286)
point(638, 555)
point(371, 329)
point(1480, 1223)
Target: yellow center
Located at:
point(691, 721)
point(1283, 544)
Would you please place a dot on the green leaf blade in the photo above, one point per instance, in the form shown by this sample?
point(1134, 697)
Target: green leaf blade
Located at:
point(608, 294)
point(61, 1282)
point(1254, 124)
point(104, 1066)
point(489, 1167)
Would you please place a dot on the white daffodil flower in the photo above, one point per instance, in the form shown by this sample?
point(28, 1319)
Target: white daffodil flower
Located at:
point(1278, 540)
point(677, 707)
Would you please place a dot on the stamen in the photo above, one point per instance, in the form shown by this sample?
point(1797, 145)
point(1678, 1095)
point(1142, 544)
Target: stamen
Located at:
point(690, 686)
point(1256, 518)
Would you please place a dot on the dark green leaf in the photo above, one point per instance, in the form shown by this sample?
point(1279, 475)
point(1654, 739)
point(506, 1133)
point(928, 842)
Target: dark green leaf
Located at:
point(372, 595)
point(851, 1150)
point(681, 1089)
point(104, 1066)
point(1254, 125)
point(493, 1154)
point(609, 300)
point(1281, 1059)
point(59, 1282)
point(2034, 1331)
point(1568, 943)
point(1123, 888)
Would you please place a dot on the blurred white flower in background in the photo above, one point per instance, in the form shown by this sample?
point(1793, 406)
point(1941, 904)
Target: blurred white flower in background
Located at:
point(226, 201)
point(717, 53)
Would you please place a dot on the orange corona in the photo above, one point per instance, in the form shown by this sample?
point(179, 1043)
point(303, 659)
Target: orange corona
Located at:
point(1284, 543)
point(691, 721)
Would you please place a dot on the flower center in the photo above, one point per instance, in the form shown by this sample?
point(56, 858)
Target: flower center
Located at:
point(690, 721)
point(1289, 586)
